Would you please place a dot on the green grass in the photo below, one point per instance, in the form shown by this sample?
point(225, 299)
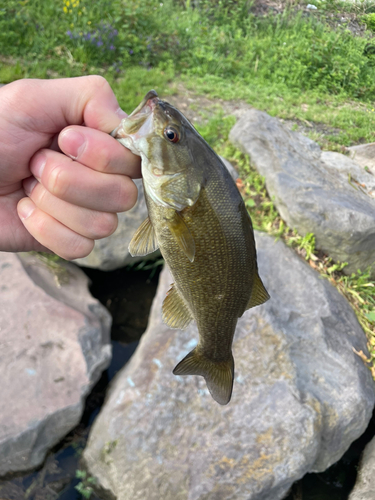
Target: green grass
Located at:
point(218, 39)
point(353, 119)
point(297, 65)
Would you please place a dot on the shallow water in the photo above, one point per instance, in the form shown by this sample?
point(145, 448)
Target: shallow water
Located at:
point(128, 295)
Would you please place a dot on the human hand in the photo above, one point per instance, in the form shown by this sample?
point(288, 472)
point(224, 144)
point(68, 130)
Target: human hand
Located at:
point(72, 198)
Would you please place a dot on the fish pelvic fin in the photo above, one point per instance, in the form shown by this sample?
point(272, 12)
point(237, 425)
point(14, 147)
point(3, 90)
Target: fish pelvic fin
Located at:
point(218, 375)
point(259, 294)
point(175, 312)
point(144, 240)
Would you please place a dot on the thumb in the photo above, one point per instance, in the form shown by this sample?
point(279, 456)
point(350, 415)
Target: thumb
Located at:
point(48, 106)
point(90, 100)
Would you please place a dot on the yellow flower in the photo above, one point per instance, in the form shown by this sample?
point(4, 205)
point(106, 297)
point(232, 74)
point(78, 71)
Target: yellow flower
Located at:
point(72, 25)
point(70, 11)
point(67, 3)
point(65, 10)
point(79, 13)
point(88, 22)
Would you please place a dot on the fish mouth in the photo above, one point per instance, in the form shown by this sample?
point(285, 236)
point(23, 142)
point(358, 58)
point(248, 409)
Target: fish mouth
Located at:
point(147, 105)
point(139, 123)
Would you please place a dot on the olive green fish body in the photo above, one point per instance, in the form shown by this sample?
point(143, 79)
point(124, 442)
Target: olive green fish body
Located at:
point(217, 285)
point(207, 242)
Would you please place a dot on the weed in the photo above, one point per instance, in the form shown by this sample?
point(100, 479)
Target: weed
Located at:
point(369, 20)
point(85, 486)
point(147, 265)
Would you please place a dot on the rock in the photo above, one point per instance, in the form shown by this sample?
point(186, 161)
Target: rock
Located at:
point(300, 397)
point(233, 172)
point(360, 179)
point(54, 344)
point(312, 190)
point(112, 252)
point(364, 155)
point(365, 486)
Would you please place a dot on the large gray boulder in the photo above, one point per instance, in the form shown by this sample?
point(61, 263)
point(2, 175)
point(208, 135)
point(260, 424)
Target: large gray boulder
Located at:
point(364, 488)
point(322, 193)
point(54, 345)
point(301, 396)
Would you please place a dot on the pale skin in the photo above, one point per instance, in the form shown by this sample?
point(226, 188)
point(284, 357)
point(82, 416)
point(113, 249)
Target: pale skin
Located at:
point(63, 178)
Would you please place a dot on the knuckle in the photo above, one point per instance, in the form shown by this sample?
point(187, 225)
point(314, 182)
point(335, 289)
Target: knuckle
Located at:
point(39, 196)
point(105, 159)
point(128, 194)
point(104, 225)
point(57, 182)
point(77, 248)
point(98, 83)
point(40, 225)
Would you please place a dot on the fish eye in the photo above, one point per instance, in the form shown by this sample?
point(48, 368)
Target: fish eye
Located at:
point(171, 134)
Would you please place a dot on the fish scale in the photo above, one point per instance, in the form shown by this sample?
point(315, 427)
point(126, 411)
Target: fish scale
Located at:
point(199, 221)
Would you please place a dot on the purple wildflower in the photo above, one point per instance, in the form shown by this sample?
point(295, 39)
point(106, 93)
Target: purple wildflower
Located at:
point(131, 51)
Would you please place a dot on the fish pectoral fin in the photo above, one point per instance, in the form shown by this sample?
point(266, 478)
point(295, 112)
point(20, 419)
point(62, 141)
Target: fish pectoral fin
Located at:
point(180, 191)
point(182, 235)
point(144, 240)
point(175, 312)
point(259, 294)
point(218, 375)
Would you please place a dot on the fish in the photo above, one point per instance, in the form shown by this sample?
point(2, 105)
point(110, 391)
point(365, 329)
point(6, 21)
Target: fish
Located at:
point(198, 220)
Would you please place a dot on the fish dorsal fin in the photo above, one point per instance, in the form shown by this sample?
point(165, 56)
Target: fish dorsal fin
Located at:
point(259, 294)
point(175, 312)
point(182, 235)
point(218, 375)
point(144, 240)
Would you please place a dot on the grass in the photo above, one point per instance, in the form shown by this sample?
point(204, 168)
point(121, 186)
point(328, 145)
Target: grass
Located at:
point(306, 66)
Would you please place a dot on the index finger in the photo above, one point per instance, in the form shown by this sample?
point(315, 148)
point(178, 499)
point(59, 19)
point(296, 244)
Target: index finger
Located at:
point(99, 151)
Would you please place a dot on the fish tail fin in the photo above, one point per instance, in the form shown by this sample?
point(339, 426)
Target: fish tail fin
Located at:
point(218, 375)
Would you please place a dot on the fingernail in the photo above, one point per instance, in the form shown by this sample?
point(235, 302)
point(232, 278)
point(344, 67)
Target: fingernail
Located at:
point(37, 165)
point(72, 143)
point(25, 208)
point(29, 184)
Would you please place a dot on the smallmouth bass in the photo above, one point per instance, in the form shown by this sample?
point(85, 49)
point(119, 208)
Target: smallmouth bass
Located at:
point(199, 221)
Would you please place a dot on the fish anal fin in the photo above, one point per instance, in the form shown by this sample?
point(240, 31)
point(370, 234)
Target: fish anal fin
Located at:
point(174, 310)
point(259, 294)
point(218, 375)
point(144, 240)
point(182, 235)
